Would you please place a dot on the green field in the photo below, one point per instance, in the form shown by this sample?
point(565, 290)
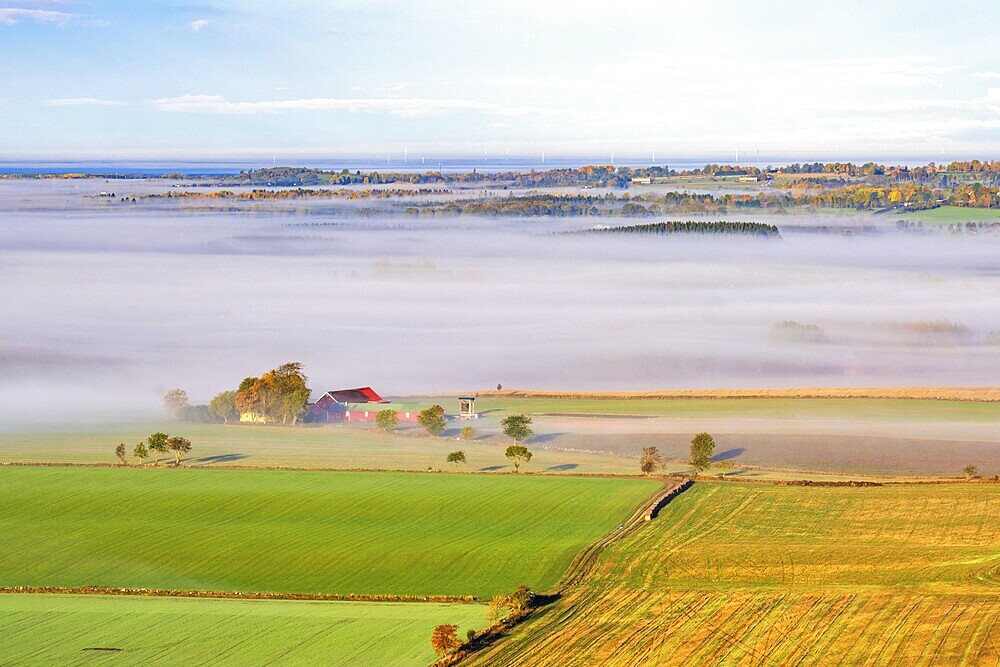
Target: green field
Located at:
point(304, 532)
point(761, 574)
point(762, 408)
point(950, 214)
point(63, 630)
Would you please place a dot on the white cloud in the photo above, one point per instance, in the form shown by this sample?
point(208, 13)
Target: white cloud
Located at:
point(197, 24)
point(986, 75)
point(10, 16)
point(409, 107)
point(81, 102)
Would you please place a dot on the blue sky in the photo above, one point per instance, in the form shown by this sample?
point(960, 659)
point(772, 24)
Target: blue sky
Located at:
point(108, 79)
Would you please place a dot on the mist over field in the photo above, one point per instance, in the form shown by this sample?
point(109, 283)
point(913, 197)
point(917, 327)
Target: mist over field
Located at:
point(107, 304)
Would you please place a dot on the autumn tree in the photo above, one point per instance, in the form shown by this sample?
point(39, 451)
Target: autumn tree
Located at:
point(157, 443)
point(650, 461)
point(120, 453)
point(279, 394)
point(456, 457)
point(179, 446)
point(702, 448)
point(518, 454)
point(517, 428)
point(432, 419)
point(445, 639)
point(387, 420)
point(223, 406)
point(140, 452)
point(467, 433)
point(176, 402)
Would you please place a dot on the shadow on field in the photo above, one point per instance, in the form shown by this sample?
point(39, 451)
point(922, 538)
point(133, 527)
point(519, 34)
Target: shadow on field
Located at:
point(728, 454)
point(492, 468)
point(544, 437)
point(564, 466)
point(221, 458)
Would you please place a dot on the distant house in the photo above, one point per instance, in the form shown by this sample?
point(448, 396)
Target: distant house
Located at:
point(748, 179)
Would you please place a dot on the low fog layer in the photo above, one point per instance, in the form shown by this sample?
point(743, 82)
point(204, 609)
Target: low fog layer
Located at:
point(106, 308)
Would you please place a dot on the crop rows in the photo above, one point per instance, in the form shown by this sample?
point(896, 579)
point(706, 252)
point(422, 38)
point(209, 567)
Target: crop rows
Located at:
point(738, 574)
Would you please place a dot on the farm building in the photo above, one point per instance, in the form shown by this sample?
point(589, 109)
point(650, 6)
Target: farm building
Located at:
point(357, 405)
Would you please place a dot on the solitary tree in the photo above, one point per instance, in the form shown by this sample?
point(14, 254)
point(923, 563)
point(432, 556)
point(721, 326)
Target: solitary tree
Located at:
point(120, 453)
point(176, 402)
point(387, 420)
point(726, 466)
point(650, 460)
point(157, 443)
point(970, 471)
point(467, 433)
point(518, 454)
point(517, 428)
point(178, 446)
point(456, 457)
point(432, 419)
point(140, 452)
point(702, 448)
point(445, 639)
point(223, 406)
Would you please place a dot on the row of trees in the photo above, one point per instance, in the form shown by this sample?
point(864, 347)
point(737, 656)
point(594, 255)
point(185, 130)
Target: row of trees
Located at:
point(155, 445)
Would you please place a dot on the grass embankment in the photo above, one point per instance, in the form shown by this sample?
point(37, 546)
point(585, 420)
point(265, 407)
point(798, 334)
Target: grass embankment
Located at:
point(739, 574)
point(301, 532)
point(66, 629)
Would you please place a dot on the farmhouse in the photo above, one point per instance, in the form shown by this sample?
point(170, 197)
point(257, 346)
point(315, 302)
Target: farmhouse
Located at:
point(356, 405)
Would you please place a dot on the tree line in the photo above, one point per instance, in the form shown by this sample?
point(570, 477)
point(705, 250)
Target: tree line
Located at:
point(692, 227)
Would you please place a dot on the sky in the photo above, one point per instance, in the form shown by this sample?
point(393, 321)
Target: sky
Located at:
point(161, 79)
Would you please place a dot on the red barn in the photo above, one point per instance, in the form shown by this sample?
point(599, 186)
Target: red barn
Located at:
point(357, 405)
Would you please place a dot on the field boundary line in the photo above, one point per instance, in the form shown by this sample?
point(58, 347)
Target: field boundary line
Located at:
point(579, 568)
point(233, 595)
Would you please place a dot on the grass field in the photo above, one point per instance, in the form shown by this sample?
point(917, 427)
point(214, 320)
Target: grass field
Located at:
point(303, 532)
point(304, 447)
point(63, 630)
point(951, 214)
point(755, 574)
point(762, 408)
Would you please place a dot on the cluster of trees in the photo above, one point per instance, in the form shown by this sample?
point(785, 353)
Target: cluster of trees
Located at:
point(702, 449)
point(500, 609)
point(693, 227)
point(155, 445)
point(280, 394)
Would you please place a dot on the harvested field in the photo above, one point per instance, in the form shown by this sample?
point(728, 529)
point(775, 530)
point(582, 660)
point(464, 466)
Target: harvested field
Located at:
point(405, 534)
point(933, 393)
point(739, 574)
point(74, 629)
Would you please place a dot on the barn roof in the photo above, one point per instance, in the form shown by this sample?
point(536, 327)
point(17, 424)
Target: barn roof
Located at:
point(358, 395)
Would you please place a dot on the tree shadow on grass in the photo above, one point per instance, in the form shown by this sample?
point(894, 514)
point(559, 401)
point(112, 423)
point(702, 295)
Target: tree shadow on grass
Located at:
point(563, 466)
point(221, 458)
point(492, 468)
point(728, 454)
